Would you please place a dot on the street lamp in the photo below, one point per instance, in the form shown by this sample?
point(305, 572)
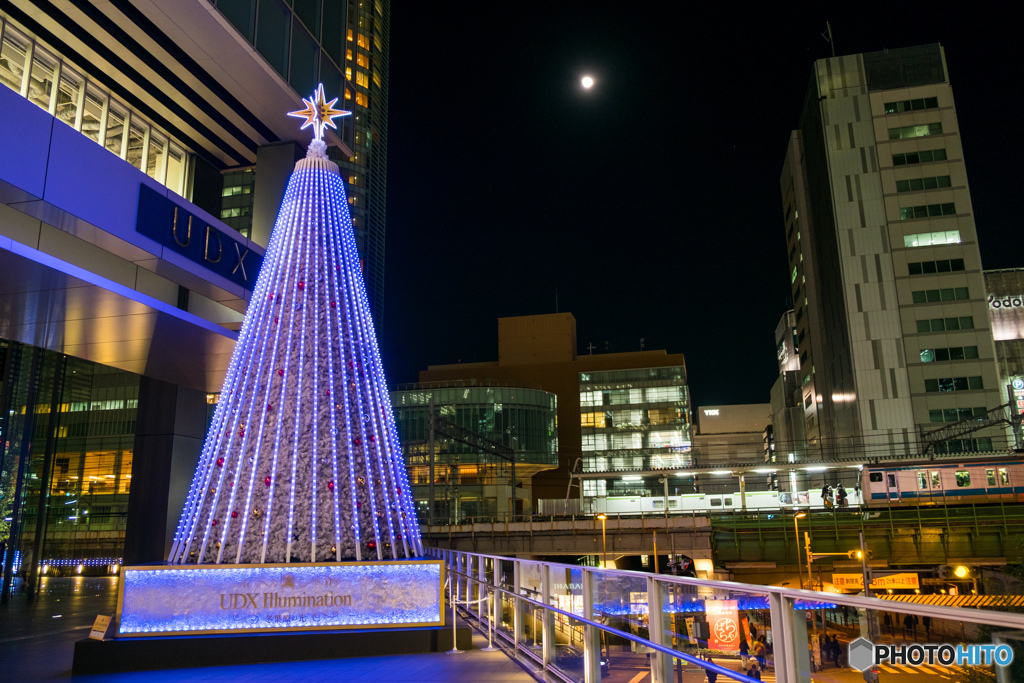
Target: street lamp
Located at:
point(799, 564)
point(604, 543)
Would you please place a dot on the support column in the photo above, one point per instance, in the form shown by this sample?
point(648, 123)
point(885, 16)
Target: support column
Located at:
point(169, 431)
point(782, 643)
point(591, 634)
point(661, 663)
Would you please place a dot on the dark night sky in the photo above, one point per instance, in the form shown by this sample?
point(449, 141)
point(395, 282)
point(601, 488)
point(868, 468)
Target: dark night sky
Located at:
point(651, 203)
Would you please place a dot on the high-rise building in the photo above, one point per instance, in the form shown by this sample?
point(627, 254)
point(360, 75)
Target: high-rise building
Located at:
point(144, 151)
point(889, 296)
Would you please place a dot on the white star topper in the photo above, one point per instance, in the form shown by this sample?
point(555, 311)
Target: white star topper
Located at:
point(319, 113)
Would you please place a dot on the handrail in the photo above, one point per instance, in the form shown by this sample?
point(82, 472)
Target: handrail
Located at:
point(610, 629)
point(1007, 619)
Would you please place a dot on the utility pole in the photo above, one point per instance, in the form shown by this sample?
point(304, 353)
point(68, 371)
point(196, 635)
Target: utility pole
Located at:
point(430, 464)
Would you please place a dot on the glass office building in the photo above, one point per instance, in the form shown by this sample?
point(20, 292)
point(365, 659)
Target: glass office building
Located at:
point(470, 481)
point(633, 421)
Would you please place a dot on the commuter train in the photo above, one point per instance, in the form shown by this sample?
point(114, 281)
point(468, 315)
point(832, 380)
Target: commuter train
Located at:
point(929, 482)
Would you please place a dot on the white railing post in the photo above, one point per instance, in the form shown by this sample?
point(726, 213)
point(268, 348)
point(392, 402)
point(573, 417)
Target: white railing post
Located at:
point(517, 605)
point(547, 616)
point(591, 634)
point(782, 643)
point(661, 669)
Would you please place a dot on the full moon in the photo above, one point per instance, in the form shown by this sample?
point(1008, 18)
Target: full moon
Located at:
point(587, 81)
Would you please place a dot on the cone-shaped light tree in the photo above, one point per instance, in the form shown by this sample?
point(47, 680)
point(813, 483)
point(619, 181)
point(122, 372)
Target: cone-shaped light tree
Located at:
point(302, 461)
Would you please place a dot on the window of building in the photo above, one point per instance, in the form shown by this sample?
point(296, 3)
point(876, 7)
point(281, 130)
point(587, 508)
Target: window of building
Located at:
point(362, 79)
point(947, 294)
point(928, 211)
point(595, 487)
point(918, 157)
point(915, 184)
point(963, 478)
point(953, 384)
point(940, 266)
point(957, 414)
point(273, 24)
point(965, 322)
point(951, 353)
point(363, 60)
point(919, 131)
point(911, 105)
point(362, 100)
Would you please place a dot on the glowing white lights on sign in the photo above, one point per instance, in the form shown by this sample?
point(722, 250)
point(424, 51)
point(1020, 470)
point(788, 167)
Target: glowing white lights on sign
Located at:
point(711, 411)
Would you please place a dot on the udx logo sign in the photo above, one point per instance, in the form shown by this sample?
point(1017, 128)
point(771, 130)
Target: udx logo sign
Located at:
point(864, 654)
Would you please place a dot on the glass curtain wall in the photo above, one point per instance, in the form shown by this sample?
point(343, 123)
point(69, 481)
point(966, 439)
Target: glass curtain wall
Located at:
point(467, 481)
point(633, 420)
point(68, 438)
point(47, 80)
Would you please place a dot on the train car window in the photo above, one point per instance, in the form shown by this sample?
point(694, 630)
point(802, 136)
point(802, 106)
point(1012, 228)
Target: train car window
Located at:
point(936, 481)
point(991, 476)
point(785, 498)
point(715, 501)
point(673, 503)
point(659, 504)
point(875, 476)
point(922, 481)
point(963, 478)
point(728, 501)
point(1004, 477)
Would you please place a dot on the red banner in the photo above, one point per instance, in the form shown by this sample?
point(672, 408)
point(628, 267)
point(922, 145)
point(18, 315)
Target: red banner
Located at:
point(724, 623)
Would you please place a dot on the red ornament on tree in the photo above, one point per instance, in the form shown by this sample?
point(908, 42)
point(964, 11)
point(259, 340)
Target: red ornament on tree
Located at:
point(302, 285)
point(372, 545)
point(330, 486)
point(267, 481)
point(220, 462)
point(214, 523)
point(234, 514)
point(280, 373)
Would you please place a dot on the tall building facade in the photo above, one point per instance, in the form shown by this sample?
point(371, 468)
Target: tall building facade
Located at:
point(890, 303)
point(144, 151)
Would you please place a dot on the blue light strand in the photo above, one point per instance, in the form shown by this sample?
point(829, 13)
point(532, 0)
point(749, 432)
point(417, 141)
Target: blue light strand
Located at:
point(301, 272)
point(267, 307)
point(344, 396)
point(285, 299)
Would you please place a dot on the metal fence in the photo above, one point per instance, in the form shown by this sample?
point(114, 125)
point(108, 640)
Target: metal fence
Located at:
point(580, 623)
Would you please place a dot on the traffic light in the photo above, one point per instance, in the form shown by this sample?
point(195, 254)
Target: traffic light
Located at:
point(958, 572)
point(858, 555)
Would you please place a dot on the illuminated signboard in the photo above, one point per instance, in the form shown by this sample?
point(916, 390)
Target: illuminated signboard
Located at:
point(724, 624)
point(855, 582)
point(171, 600)
point(711, 411)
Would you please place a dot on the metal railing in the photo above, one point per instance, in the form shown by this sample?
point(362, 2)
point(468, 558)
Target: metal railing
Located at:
point(520, 602)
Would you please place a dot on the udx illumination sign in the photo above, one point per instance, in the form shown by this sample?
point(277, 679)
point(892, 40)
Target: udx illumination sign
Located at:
point(281, 597)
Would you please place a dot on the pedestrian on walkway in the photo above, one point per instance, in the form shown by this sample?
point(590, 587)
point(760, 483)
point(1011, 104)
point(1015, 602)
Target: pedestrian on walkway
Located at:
point(712, 675)
point(760, 651)
point(754, 672)
point(908, 624)
point(927, 623)
point(837, 651)
point(887, 623)
point(744, 652)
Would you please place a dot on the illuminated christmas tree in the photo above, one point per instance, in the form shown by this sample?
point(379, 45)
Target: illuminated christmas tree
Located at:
point(302, 461)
